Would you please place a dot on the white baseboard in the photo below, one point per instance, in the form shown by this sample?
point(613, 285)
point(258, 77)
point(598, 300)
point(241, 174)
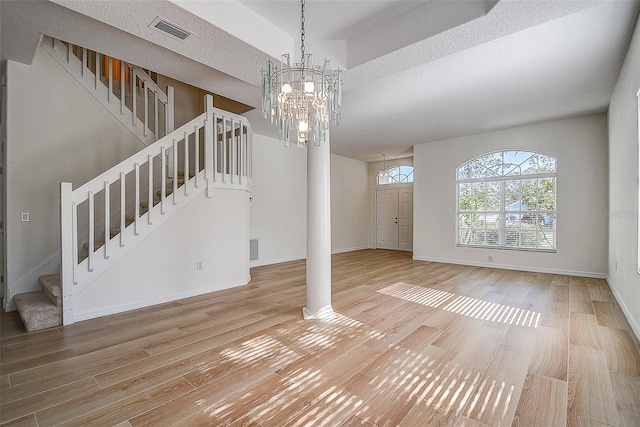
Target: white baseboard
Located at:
point(80, 316)
point(260, 263)
point(341, 251)
point(627, 313)
point(515, 267)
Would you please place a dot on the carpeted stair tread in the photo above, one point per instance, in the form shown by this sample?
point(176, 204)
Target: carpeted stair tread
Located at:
point(37, 311)
point(167, 193)
point(52, 283)
point(181, 174)
point(51, 288)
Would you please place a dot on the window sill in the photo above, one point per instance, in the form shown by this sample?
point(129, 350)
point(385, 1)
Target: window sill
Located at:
point(502, 248)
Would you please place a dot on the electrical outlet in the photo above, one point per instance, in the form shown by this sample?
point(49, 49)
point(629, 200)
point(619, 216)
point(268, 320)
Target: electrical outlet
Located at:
point(198, 265)
point(25, 217)
point(490, 258)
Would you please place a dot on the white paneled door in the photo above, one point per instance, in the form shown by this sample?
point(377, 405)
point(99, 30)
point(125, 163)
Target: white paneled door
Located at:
point(394, 219)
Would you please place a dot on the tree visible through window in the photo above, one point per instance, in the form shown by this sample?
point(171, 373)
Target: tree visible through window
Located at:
point(507, 200)
point(396, 175)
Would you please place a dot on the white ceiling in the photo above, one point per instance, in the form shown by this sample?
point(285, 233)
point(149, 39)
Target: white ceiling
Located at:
point(415, 71)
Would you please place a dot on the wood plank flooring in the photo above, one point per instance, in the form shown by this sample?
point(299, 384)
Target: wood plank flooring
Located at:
point(414, 344)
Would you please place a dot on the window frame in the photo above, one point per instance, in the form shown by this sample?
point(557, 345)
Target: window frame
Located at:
point(502, 213)
point(410, 175)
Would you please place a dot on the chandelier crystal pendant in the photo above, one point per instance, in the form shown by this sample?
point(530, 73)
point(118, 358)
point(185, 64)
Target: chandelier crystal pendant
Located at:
point(300, 98)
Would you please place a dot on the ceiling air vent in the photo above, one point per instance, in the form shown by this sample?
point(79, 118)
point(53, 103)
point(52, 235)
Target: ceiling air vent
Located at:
point(170, 28)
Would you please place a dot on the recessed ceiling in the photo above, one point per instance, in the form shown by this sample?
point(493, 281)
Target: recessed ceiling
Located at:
point(415, 71)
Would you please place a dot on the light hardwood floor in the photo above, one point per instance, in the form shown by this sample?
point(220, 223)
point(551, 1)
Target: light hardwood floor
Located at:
point(414, 344)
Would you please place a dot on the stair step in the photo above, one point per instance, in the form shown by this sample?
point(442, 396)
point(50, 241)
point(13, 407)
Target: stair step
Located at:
point(167, 193)
point(181, 174)
point(37, 311)
point(114, 231)
point(51, 288)
point(96, 245)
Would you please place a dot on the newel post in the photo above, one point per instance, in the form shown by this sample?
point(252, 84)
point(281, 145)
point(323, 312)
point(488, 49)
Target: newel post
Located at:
point(67, 262)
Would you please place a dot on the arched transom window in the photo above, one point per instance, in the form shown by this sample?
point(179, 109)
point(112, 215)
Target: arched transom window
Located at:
point(396, 175)
point(507, 200)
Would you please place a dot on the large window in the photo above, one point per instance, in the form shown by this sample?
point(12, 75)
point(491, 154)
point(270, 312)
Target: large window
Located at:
point(507, 200)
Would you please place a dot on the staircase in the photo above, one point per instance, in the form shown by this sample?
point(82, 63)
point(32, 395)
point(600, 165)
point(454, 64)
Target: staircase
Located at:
point(105, 218)
point(125, 90)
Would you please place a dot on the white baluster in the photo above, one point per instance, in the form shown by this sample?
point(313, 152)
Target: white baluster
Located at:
point(91, 231)
point(240, 152)
point(212, 141)
point(155, 116)
point(107, 219)
point(123, 208)
point(74, 229)
point(69, 53)
point(163, 180)
point(175, 171)
point(122, 86)
point(110, 79)
point(186, 162)
point(136, 231)
point(150, 197)
point(146, 108)
point(84, 61)
point(232, 143)
point(196, 153)
point(224, 149)
point(97, 69)
point(134, 97)
point(250, 154)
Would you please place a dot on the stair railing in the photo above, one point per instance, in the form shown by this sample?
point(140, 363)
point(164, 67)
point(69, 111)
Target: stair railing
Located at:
point(91, 210)
point(142, 103)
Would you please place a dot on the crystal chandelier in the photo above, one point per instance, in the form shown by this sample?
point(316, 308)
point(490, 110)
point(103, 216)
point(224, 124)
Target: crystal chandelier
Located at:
point(301, 99)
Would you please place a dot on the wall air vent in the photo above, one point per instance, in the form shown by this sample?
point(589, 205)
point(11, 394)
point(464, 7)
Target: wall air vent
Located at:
point(170, 28)
point(253, 250)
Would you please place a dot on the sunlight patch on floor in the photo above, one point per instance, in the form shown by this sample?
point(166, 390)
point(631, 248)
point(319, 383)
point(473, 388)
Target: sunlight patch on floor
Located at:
point(465, 306)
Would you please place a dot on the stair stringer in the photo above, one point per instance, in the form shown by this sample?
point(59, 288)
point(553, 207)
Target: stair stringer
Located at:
point(59, 52)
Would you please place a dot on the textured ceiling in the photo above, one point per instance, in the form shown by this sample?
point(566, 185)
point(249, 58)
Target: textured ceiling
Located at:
point(415, 71)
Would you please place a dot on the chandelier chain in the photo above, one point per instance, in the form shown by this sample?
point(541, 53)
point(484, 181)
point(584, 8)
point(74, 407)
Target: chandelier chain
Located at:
point(302, 31)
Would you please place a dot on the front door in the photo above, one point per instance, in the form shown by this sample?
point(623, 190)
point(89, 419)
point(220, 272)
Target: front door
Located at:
point(387, 219)
point(394, 219)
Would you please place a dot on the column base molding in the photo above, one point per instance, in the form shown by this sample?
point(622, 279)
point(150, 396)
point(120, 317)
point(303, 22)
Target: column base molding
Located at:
point(325, 312)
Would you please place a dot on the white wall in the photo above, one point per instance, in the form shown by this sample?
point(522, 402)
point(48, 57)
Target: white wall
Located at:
point(56, 132)
point(623, 187)
point(279, 202)
point(214, 231)
point(580, 146)
point(349, 204)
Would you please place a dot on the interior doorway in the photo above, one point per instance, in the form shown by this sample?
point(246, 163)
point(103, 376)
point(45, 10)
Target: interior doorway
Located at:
point(394, 219)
